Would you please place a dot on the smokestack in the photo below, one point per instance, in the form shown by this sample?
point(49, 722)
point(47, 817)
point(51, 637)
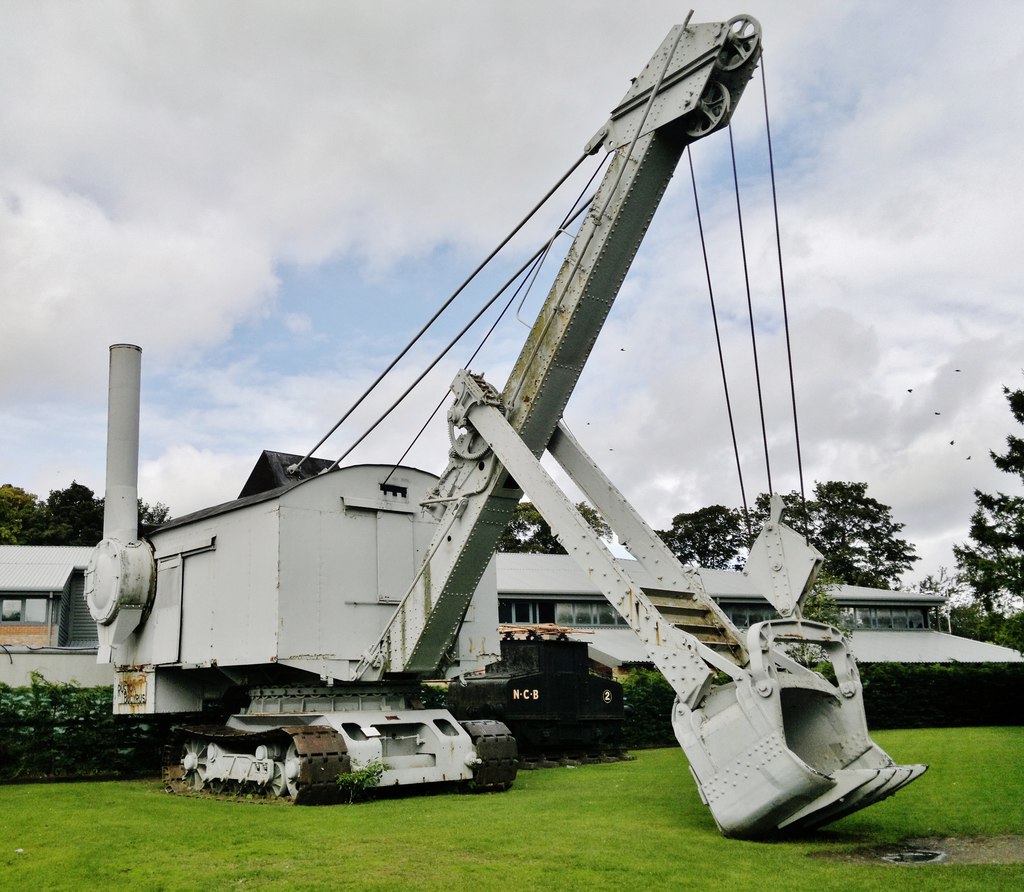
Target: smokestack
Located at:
point(121, 503)
point(120, 578)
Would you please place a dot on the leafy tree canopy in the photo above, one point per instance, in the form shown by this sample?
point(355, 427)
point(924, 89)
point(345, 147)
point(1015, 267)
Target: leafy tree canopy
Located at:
point(856, 534)
point(992, 562)
point(72, 516)
point(19, 515)
point(69, 516)
point(714, 537)
point(969, 617)
point(530, 533)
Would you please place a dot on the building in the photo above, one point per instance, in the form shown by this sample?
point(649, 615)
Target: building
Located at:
point(46, 625)
point(900, 627)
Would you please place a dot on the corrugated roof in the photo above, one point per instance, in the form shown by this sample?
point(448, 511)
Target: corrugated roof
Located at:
point(926, 646)
point(613, 647)
point(542, 574)
point(40, 568)
point(616, 646)
point(559, 574)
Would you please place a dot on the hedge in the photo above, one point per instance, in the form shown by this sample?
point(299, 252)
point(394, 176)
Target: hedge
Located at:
point(62, 730)
point(53, 730)
point(943, 695)
point(896, 695)
point(647, 705)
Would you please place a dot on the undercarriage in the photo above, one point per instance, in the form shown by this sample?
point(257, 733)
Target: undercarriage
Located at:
point(271, 750)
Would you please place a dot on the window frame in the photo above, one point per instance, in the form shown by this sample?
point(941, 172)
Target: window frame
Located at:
point(23, 601)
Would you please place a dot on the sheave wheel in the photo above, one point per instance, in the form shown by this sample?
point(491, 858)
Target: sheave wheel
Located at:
point(711, 109)
point(743, 40)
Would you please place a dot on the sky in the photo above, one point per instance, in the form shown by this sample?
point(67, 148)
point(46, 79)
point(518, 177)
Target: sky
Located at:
point(271, 198)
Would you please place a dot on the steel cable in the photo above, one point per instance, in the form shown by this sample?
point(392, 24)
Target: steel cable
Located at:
point(451, 344)
point(750, 312)
point(531, 277)
point(782, 286)
point(440, 310)
point(718, 341)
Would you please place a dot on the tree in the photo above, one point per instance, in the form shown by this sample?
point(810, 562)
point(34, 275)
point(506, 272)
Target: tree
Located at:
point(854, 532)
point(20, 515)
point(713, 537)
point(1011, 632)
point(821, 606)
point(968, 616)
point(993, 562)
point(152, 516)
point(72, 516)
point(69, 516)
point(528, 532)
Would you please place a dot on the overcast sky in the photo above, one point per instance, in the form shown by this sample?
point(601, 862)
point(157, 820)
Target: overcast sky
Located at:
point(270, 199)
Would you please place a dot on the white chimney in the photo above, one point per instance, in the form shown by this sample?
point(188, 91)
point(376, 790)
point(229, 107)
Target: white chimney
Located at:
point(121, 511)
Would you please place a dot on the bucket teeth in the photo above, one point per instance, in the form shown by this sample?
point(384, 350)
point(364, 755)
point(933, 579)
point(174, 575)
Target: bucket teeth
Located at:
point(855, 788)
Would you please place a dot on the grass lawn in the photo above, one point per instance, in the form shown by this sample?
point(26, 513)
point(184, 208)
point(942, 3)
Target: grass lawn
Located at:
point(631, 825)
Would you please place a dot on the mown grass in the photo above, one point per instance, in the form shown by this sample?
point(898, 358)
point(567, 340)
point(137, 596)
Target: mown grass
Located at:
point(634, 825)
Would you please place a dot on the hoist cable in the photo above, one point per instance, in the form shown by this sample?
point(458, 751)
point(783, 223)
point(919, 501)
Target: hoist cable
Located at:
point(476, 317)
point(444, 398)
point(625, 160)
point(440, 310)
point(750, 312)
point(528, 282)
point(718, 341)
point(782, 287)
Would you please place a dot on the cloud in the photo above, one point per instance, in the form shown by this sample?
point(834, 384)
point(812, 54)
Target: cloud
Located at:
point(73, 277)
point(178, 175)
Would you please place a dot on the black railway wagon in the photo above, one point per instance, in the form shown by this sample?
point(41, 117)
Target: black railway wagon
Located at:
point(544, 691)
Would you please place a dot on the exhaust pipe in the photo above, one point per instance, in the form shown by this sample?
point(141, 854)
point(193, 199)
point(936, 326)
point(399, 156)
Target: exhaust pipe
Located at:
point(120, 505)
point(121, 575)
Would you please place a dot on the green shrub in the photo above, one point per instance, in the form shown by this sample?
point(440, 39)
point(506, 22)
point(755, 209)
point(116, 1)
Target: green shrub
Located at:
point(359, 783)
point(647, 699)
point(433, 696)
point(943, 695)
point(896, 695)
point(54, 729)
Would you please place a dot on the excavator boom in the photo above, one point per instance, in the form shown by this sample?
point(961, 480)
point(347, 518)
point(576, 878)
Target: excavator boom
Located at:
point(775, 748)
point(688, 90)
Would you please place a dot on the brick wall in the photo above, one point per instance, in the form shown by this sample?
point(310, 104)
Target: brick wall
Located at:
point(29, 635)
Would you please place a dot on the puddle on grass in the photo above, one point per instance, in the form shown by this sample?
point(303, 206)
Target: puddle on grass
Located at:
point(915, 856)
point(935, 851)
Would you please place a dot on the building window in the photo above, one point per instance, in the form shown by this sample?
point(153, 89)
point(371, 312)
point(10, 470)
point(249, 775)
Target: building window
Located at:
point(743, 616)
point(525, 612)
point(587, 613)
point(23, 610)
point(899, 618)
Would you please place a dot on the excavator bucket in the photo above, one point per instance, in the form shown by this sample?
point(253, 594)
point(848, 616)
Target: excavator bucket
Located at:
point(778, 748)
point(781, 748)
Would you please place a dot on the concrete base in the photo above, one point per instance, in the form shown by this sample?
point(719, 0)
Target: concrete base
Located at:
point(55, 665)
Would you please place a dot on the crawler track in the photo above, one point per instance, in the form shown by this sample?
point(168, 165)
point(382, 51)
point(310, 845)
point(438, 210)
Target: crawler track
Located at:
point(310, 759)
point(498, 754)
